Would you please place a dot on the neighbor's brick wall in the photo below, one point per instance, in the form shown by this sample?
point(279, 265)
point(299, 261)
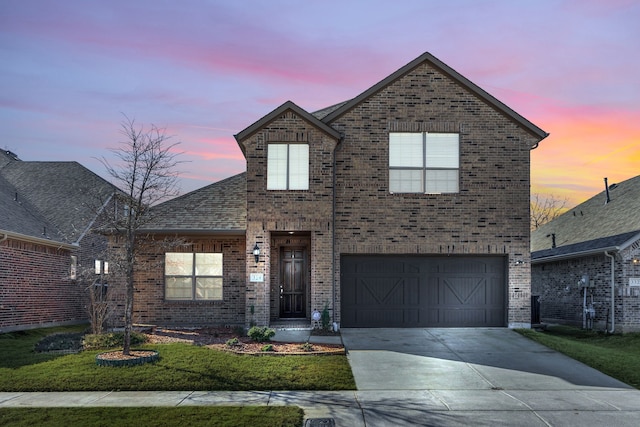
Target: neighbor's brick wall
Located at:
point(35, 287)
point(490, 214)
point(561, 299)
point(271, 213)
point(150, 306)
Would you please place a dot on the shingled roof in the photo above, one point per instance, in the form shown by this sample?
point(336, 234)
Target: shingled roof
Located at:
point(60, 195)
point(220, 207)
point(21, 217)
point(592, 226)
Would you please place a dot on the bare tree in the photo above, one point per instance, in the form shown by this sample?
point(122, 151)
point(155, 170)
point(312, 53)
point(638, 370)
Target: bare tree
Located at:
point(145, 172)
point(545, 209)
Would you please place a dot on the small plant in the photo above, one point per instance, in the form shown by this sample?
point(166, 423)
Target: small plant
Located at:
point(306, 346)
point(233, 342)
point(325, 320)
point(261, 334)
point(267, 347)
point(110, 340)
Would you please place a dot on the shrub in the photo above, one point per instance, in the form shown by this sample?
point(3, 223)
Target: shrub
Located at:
point(110, 340)
point(261, 334)
point(306, 347)
point(232, 342)
point(325, 319)
point(60, 342)
point(267, 347)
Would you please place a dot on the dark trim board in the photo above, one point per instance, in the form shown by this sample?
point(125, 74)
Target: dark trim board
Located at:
point(423, 291)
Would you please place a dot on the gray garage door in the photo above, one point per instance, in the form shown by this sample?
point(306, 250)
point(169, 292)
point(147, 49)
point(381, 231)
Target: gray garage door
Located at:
point(414, 291)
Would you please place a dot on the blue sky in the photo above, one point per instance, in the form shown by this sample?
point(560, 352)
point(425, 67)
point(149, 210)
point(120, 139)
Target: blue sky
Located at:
point(205, 70)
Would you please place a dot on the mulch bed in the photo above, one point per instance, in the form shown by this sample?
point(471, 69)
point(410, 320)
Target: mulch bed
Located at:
point(216, 338)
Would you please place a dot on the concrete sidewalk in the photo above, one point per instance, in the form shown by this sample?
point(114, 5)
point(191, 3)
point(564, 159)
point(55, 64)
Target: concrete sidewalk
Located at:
point(436, 377)
point(593, 407)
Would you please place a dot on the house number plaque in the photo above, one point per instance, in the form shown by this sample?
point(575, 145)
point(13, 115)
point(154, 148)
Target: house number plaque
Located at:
point(256, 277)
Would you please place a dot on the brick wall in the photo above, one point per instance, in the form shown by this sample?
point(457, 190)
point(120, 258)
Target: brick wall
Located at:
point(490, 214)
point(562, 299)
point(150, 306)
point(35, 287)
point(273, 214)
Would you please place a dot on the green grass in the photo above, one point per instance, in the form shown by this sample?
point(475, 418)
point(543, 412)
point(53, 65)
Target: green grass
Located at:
point(135, 417)
point(181, 367)
point(615, 355)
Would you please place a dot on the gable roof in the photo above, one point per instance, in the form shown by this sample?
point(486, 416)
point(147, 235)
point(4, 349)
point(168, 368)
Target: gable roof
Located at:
point(264, 121)
point(220, 208)
point(592, 226)
point(427, 58)
point(65, 195)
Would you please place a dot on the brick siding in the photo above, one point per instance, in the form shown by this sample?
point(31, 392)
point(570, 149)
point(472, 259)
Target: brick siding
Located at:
point(36, 289)
point(490, 214)
point(150, 306)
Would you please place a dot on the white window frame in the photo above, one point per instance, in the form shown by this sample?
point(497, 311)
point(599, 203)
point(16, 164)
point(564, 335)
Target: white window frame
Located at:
point(287, 166)
point(424, 162)
point(191, 277)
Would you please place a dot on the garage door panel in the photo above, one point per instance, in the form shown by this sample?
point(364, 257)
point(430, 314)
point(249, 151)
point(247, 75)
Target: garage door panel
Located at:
point(419, 291)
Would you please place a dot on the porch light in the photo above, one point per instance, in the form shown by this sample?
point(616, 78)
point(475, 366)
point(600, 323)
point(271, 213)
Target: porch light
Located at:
point(256, 252)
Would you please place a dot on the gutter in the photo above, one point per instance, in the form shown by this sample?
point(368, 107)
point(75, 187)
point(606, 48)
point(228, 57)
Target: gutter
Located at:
point(38, 240)
point(193, 231)
point(575, 255)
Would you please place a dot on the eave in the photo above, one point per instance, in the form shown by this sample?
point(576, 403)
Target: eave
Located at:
point(452, 74)
point(36, 240)
point(273, 115)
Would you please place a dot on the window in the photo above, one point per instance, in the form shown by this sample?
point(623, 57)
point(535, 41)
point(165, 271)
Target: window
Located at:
point(423, 162)
point(288, 167)
point(193, 276)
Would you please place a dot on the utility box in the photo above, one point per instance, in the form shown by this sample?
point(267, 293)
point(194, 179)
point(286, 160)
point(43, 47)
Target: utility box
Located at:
point(585, 282)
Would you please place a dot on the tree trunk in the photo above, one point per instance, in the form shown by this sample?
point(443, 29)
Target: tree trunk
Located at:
point(128, 305)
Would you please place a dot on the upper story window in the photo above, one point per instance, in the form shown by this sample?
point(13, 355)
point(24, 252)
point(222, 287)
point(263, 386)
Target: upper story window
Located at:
point(288, 167)
point(421, 162)
point(193, 276)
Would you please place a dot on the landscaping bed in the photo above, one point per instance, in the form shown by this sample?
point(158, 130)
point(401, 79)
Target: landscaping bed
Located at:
point(217, 338)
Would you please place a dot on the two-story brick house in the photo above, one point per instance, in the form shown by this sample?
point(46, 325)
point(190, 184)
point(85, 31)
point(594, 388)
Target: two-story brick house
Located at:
point(405, 206)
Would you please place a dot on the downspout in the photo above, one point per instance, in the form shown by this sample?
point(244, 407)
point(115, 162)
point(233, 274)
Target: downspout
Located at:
point(333, 235)
point(5, 237)
point(613, 297)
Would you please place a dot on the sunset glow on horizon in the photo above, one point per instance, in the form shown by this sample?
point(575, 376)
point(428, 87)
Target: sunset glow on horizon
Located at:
point(207, 69)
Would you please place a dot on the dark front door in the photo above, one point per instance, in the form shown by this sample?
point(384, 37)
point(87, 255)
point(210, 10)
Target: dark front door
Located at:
point(293, 283)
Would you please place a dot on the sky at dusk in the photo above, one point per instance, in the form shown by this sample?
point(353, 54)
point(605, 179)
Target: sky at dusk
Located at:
point(205, 70)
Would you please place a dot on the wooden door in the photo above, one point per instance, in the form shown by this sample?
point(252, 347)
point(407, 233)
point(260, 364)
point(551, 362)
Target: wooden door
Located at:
point(293, 283)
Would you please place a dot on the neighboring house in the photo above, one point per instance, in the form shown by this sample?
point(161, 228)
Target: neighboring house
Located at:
point(405, 206)
point(47, 210)
point(586, 262)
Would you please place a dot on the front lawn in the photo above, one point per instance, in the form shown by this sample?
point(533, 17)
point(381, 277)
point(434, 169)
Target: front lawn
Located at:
point(181, 367)
point(281, 416)
point(615, 355)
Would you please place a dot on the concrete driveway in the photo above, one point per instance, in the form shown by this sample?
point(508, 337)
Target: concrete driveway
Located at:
point(489, 376)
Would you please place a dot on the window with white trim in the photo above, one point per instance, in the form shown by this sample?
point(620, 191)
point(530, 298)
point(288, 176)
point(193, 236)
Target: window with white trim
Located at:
point(288, 167)
point(422, 162)
point(193, 276)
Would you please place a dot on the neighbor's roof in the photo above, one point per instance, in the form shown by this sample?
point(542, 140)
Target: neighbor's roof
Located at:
point(593, 225)
point(64, 194)
point(19, 216)
point(220, 207)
